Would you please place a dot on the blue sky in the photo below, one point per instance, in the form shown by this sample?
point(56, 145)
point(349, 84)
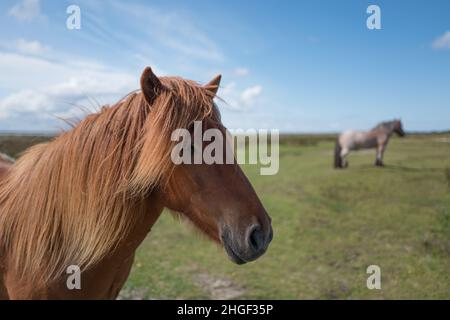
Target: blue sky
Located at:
point(296, 66)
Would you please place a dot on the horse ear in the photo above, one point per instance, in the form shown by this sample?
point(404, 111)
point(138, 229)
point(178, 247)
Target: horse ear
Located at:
point(213, 85)
point(150, 85)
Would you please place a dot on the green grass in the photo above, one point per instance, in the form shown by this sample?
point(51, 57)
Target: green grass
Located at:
point(329, 226)
point(14, 145)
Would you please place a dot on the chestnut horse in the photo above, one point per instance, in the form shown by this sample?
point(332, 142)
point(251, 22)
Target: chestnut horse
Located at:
point(377, 138)
point(89, 197)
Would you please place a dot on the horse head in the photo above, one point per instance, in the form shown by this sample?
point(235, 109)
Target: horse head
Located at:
point(217, 197)
point(398, 128)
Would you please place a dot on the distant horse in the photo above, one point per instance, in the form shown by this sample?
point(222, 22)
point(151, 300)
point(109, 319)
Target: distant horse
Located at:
point(88, 198)
point(377, 138)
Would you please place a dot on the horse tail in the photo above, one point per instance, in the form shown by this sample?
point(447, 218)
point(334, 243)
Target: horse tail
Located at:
point(337, 154)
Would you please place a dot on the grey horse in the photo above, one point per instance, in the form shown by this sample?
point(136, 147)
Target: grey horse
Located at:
point(377, 138)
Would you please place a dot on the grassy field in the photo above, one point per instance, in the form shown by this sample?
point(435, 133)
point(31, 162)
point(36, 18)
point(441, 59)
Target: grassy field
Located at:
point(329, 226)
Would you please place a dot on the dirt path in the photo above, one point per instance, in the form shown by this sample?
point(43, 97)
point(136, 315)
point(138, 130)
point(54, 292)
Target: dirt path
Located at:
point(218, 288)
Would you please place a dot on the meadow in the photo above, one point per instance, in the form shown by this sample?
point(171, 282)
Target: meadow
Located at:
point(329, 226)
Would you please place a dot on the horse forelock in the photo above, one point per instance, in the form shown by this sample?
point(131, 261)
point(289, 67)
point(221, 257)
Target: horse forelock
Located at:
point(178, 105)
point(72, 200)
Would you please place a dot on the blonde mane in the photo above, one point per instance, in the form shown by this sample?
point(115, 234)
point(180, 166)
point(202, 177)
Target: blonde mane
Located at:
point(72, 200)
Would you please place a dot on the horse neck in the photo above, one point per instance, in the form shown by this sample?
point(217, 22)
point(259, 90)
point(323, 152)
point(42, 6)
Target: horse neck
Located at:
point(85, 213)
point(151, 207)
point(387, 128)
point(390, 129)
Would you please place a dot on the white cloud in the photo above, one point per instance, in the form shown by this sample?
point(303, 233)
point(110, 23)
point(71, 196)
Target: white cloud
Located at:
point(249, 95)
point(30, 47)
point(241, 72)
point(228, 88)
point(38, 82)
point(228, 94)
point(26, 47)
point(173, 30)
point(26, 10)
point(239, 100)
point(442, 42)
point(56, 99)
point(66, 84)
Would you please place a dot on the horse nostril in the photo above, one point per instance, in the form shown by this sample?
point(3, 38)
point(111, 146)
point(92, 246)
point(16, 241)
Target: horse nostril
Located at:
point(256, 239)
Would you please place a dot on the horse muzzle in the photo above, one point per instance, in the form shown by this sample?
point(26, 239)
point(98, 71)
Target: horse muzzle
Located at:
point(250, 246)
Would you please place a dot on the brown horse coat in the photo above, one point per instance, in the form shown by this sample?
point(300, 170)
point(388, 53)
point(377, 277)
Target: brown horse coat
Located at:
point(89, 197)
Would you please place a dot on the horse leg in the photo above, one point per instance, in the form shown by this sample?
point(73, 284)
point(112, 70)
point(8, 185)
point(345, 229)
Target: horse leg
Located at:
point(379, 159)
point(344, 153)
